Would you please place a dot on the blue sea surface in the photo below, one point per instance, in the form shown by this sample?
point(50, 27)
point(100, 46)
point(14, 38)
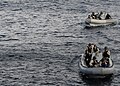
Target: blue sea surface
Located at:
point(41, 41)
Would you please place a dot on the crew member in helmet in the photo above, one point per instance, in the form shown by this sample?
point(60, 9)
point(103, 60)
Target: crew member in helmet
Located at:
point(88, 54)
point(94, 62)
point(100, 15)
point(104, 62)
point(106, 53)
point(108, 16)
point(95, 48)
point(93, 16)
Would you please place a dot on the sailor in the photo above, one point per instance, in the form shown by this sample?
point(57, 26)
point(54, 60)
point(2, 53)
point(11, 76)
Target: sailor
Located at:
point(88, 48)
point(95, 48)
point(88, 54)
point(89, 17)
point(94, 62)
point(104, 62)
point(100, 15)
point(93, 15)
point(108, 16)
point(106, 53)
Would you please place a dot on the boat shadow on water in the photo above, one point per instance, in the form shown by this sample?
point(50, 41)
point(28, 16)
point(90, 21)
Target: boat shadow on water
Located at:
point(96, 81)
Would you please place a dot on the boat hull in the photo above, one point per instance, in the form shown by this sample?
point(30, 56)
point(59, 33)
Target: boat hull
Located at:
point(96, 22)
point(95, 71)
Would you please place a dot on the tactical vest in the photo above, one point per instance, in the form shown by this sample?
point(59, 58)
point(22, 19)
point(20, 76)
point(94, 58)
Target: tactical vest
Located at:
point(89, 49)
point(105, 54)
point(95, 49)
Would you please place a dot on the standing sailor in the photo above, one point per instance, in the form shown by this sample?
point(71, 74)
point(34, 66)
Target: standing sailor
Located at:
point(104, 62)
point(106, 53)
point(88, 54)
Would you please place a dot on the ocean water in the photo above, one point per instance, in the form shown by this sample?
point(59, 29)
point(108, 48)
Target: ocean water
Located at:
point(41, 41)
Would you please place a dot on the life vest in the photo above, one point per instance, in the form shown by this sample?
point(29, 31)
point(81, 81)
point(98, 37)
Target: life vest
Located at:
point(105, 62)
point(108, 16)
point(105, 54)
point(95, 49)
point(89, 49)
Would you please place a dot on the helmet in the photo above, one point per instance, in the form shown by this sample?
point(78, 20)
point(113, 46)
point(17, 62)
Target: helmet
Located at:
point(89, 44)
point(105, 48)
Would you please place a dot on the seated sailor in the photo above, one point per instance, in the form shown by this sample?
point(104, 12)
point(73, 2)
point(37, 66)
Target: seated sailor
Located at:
point(108, 16)
point(104, 15)
point(99, 15)
point(104, 62)
point(94, 62)
point(93, 16)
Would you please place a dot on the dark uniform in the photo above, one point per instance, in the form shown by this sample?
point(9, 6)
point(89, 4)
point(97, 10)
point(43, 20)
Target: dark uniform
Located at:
point(104, 62)
point(106, 53)
point(99, 15)
point(93, 15)
point(106, 56)
point(94, 62)
point(88, 54)
point(95, 49)
point(108, 16)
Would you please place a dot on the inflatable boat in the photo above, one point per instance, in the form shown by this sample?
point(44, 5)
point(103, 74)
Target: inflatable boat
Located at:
point(96, 22)
point(99, 72)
